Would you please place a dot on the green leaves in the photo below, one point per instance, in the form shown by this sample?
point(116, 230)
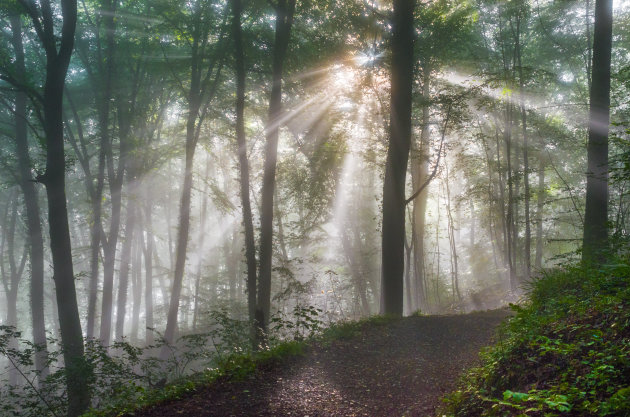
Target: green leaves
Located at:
point(563, 352)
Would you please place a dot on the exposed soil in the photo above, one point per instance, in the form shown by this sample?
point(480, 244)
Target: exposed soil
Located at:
point(399, 369)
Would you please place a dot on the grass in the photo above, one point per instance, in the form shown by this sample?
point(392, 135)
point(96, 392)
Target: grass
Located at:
point(565, 353)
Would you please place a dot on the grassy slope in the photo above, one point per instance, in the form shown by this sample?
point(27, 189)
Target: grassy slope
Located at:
point(567, 352)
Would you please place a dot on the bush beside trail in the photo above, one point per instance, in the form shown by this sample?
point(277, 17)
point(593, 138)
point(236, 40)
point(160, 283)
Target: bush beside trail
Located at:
point(566, 352)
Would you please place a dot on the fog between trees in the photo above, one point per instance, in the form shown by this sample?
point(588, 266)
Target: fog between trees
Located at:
point(167, 166)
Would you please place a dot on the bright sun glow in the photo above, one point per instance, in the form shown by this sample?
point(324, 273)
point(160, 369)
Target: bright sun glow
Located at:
point(342, 77)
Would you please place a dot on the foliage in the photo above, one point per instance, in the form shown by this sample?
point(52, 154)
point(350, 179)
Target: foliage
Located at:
point(565, 353)
point(126, 377)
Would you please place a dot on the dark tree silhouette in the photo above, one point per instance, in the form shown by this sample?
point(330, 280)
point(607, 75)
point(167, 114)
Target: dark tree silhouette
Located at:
point(393, 238)
point(58, 50)
point(284, 20)
point(596, 211)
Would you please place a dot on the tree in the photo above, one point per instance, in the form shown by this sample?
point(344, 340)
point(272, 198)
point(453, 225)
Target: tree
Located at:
point(33, 216)
point(204, 77)
point(595, 238)
point(57, 62)
point(285, 10)
point(393, 234)
point(250, 244)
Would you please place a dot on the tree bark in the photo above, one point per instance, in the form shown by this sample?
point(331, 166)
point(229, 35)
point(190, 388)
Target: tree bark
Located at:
point(125, 260)
point(595, 240)
point(201, 244)
point(136, 276)
point(540, 206)
point(33, 216)
point(393, 231)
point(11, 278)
point(248, 224)
point(528, 231)
point(419, 174)
point(57, 62)
point(510, 222)
point(285, 10)
point(148, 273)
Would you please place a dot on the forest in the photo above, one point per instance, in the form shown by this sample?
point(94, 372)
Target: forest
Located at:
point(188, 188)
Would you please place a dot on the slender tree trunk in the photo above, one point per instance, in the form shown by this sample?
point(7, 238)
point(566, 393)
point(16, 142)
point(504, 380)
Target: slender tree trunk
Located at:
point(125, 260)
point(194, 104)
point(148, 272)
point(114, 177)
point(540, 206)
point(11, 278)
point(393, 231)
point(419, 174)
point(284, 20)
point(136, 275)
point(595, 241)
point(528, 231)
point(502, 207)
point(473, 223)
point(95, 246)
point(451, 240)
point(408, 298)
point(197, 95)
point(33, 216)
point(57, 61)
point(248, 225)
point(510, 223)
point(202, 228)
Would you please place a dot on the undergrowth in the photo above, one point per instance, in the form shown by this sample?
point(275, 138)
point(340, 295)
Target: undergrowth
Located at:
point(566, 352)
point(288, 338)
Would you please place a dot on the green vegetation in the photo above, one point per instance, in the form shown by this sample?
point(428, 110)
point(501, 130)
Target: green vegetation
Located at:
point(566, 352)
point(235, 364)
point(233, 367)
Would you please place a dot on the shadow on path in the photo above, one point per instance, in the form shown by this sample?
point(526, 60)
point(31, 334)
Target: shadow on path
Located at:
point(400, 369)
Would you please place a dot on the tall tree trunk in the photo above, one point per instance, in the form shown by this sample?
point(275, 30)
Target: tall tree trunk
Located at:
point(194, 105)
point(11, 278)
point(95, 245)
point(540, 205)
point(473, 223)
point(510, 222)
point(125, 260)
point(33, 216)
point(595, 240)
point(284, 20)
point(451, 240)
point(502, 205)
point(408, 299)
point(248, 225)
point(419, 174)
point(114, 176)
point(528, 231)
point(201, 243)
point(148, 273)
point(136, 279)
point(57, 62)
point(393, 231)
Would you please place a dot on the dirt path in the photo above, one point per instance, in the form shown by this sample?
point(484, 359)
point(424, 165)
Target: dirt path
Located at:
point(400, 369)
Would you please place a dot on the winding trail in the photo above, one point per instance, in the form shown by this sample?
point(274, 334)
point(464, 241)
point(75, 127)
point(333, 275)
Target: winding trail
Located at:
point(398, 369)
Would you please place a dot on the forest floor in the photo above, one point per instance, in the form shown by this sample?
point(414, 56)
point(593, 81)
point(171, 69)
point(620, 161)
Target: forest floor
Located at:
point(401, 368)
